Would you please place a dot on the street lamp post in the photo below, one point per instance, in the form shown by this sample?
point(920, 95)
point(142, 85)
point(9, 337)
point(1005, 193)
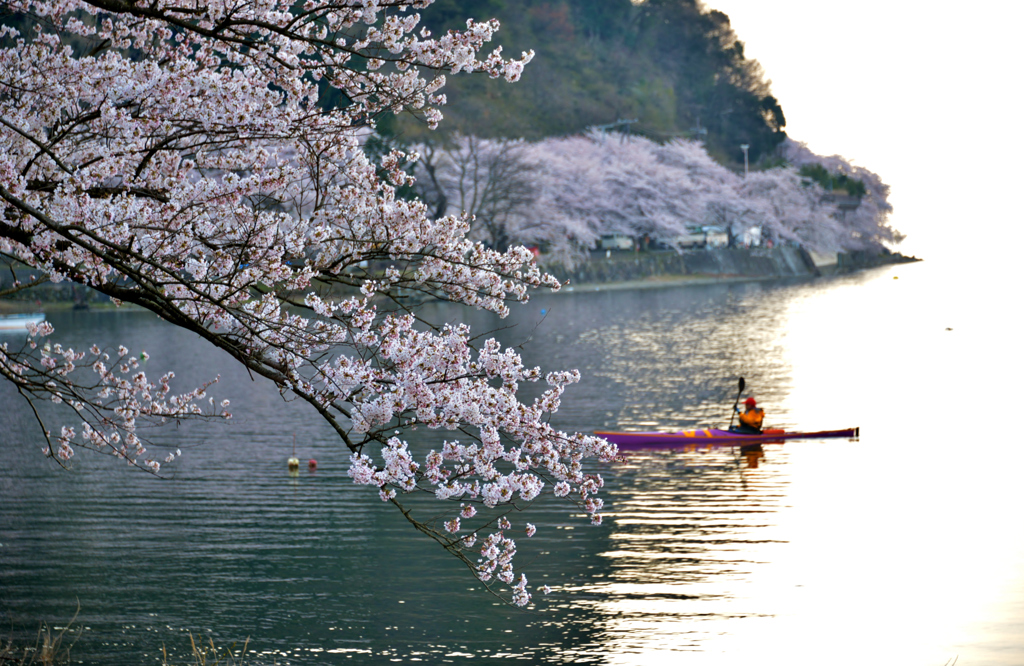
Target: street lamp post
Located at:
point(698, 130)
point(746, 164)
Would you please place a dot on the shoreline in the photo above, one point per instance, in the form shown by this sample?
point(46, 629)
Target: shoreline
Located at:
point(11, 307)
point(620, 273)
point(777, 269)
point(15, 307)
point(661, 282)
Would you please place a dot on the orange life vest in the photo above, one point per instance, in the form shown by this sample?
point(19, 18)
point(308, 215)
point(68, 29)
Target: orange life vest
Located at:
point(752, 418)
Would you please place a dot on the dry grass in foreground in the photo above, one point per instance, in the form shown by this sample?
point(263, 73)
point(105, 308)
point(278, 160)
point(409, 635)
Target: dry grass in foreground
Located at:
point(49, 648)
point(212, 655)
point(52, 648)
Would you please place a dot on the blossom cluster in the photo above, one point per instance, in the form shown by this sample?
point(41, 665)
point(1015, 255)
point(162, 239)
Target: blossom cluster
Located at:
point(485, 471)
point(110, 394)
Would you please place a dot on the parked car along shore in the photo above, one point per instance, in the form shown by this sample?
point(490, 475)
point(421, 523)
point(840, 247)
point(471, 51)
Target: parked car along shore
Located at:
point(616, 242)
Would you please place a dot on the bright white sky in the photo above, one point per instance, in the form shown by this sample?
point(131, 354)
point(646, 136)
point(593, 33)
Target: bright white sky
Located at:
point(926, 94)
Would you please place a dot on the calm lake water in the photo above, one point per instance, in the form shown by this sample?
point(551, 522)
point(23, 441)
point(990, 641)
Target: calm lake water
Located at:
point(903, 548)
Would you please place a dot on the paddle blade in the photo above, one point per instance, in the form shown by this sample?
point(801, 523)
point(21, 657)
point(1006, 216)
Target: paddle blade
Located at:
point(743, 384)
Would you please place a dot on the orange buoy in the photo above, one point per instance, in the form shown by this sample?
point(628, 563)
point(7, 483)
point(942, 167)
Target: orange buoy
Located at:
point(312, 464)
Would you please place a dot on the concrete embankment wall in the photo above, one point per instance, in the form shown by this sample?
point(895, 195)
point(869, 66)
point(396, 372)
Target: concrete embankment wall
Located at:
point(754, 262)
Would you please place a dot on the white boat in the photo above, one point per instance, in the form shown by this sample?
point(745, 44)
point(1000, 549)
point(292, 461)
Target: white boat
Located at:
point(20, 322)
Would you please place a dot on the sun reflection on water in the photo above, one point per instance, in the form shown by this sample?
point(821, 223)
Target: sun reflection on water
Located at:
point(886, 549)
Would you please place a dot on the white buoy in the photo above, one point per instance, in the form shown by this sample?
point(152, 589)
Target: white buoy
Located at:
point(293, 462)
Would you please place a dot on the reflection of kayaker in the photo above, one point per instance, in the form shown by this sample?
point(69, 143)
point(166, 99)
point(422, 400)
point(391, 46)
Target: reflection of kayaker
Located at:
point(752, 454)
point(751, 420)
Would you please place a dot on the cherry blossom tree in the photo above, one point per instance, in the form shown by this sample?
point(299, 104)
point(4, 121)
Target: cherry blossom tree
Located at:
point(173, 155)
point(636, 186)
point(601, 184)
point(789, 209)
point(491, 180)
point(515, 192)
point(723, 204)
point(866, 226)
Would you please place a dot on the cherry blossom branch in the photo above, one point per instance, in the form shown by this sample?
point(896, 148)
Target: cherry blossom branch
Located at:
point(179, 161)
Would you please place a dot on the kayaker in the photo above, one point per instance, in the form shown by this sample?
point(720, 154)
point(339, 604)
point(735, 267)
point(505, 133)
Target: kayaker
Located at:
point(752, 419)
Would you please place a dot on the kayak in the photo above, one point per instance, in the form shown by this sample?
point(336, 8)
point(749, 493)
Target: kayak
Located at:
point(714, 437)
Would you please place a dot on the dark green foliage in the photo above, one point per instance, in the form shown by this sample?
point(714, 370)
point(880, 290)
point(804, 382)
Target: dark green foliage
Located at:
point(668, 63)
point(833, 181)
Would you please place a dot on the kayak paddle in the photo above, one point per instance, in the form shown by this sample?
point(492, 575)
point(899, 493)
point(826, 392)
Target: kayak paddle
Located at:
point(743, 385)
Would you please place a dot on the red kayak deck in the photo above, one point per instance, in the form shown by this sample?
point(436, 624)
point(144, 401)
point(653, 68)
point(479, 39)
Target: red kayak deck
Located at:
point(713, 437)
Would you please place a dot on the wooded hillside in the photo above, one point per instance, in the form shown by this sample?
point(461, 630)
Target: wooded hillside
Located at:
point(673, 65)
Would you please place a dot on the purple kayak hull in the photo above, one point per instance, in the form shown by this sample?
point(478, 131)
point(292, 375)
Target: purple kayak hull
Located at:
point(713, 437)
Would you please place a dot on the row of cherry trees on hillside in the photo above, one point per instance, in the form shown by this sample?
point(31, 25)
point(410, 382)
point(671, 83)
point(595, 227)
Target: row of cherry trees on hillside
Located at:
point(174, 156)
point(564, 193)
